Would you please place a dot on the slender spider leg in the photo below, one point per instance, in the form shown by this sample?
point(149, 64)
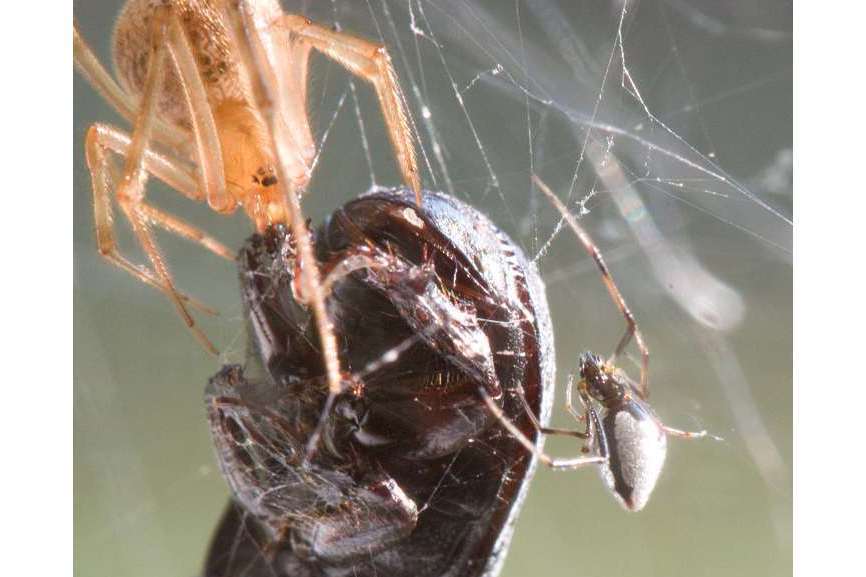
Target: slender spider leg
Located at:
point(258, 76)
point(589, 416)
point(208, 150)
point(587, 434)
point(101, 81)
point(685, 434)
point(102, 137)
point(631, 324)
point(554, 463)
point(166, 168)
point(569, 403)
point(103, 182)
point(130, 193)
point(183, 229)
point(167, 39)
point(370, 61)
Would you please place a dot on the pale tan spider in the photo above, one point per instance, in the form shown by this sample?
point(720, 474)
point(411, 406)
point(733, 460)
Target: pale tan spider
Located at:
point(216, 92)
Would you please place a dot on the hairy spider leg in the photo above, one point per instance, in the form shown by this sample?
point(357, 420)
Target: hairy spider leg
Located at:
point(263, 86)
point(167, 37)
point(371, 62)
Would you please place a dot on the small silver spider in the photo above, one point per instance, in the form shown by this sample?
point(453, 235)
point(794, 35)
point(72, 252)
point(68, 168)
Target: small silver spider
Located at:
point(625, 438)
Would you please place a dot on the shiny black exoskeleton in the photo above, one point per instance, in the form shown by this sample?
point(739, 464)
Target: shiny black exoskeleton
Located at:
point(413, 475)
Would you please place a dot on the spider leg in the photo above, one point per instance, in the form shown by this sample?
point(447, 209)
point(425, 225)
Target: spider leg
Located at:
point(208, 149)
point(552, 430)
point(683, 434)
point(207, 146)
point(100, 140)
point(370, 61)
point(181, 228)
point(569, 402)
point(99, 78)
point(102, 137)
point(130, 193)
point(558, 464)
point(632, 329)
point(257, 74)
point(103, 183)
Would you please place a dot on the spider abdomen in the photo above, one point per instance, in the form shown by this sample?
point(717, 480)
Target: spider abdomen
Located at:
point(208, 38)
point(637, 446)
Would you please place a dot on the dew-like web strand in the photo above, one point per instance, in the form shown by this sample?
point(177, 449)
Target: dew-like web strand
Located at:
point(320, 146)
point(532, 213)
point(493, 179)
point(365, 144)
point(459, 97)
point(527, 92)
point(692, 98)
point(421, 92)
point(720, 174)
point(727, 221)
point(709, 167)
point(725, 94)
point(588, 133)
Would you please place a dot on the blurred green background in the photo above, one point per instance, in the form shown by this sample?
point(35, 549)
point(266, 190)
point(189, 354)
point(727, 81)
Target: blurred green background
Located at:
point(147, 491)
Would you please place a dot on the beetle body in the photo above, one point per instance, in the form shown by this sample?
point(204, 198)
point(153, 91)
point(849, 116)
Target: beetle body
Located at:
point(413, 476)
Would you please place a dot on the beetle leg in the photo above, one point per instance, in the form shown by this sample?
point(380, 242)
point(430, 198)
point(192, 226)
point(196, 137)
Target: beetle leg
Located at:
point(354, 261)
point(261, 451)
point(372, 518)
point(437, 316)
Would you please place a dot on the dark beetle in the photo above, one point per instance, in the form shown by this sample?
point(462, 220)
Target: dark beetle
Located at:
point(413, 475)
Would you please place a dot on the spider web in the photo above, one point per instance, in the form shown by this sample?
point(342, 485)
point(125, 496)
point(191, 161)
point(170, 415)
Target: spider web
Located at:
point(664, 125)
